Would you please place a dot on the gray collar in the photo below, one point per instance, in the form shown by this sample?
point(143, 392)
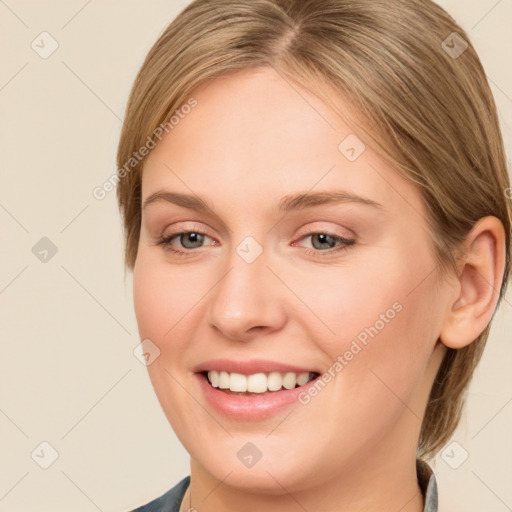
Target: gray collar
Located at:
point(428, 485)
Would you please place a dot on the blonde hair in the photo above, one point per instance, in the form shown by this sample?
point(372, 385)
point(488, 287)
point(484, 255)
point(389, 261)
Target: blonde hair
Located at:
point(426, 108)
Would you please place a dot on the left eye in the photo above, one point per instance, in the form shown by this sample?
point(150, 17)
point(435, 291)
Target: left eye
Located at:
point(326, 244)
point(324, 239)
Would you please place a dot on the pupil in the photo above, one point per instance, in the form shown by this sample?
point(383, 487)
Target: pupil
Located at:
point(190, 239)
point(324, 239)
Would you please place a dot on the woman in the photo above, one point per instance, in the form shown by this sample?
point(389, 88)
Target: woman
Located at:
point(313, 197)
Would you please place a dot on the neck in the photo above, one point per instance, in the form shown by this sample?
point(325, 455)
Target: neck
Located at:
point(375, 487)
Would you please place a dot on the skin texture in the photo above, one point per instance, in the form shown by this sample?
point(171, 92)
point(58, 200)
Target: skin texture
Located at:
point(251, 140)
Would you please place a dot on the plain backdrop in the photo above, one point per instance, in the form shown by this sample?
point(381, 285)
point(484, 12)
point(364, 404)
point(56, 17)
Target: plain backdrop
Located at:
point(68, 375)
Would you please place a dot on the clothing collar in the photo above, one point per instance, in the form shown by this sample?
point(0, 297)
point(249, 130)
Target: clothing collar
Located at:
point(428, 485)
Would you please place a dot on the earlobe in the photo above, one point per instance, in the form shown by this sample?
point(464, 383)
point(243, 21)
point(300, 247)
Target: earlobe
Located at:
point(477, 285)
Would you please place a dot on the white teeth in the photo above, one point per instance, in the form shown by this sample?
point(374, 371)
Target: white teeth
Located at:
point(257, 382)
point(238, 382)
point(274, 381)
point(289, 381)
point(302, 378)
point(223, 380)
point(214, 378)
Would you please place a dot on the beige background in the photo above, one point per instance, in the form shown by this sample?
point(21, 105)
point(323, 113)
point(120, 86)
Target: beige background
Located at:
point(68, 375)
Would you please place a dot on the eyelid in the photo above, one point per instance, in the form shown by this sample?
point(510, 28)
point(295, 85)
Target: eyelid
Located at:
point(320, 227)
point(305, 231)
point(183, 227)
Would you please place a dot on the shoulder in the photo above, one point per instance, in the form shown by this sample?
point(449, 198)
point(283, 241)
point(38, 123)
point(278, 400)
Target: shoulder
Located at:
point(168, 502)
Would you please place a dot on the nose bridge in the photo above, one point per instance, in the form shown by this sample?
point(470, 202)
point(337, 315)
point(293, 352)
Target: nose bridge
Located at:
point(246, 296)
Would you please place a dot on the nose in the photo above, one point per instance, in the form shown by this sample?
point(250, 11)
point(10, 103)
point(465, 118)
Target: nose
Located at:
point(248, 301)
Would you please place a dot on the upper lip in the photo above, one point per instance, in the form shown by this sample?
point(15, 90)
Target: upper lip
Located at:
point(248, 367)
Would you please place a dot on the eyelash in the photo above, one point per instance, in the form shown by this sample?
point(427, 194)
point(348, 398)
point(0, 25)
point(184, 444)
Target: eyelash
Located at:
point(165, 242)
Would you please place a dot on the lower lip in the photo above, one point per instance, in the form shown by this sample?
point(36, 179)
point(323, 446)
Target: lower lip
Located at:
point(250, 408)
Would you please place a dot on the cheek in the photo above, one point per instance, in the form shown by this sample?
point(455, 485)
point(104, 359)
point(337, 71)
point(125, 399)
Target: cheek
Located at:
point(383, 316)
point(357, 299)
point(163, 296)
point(150, 305)
point(162, 301)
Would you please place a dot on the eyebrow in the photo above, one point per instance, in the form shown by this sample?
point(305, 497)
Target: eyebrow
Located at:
point(287, 204)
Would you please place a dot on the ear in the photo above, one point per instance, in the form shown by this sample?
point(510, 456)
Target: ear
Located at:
point(478, 284)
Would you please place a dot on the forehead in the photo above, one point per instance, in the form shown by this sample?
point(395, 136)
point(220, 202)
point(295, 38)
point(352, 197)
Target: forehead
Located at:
point(271, 137)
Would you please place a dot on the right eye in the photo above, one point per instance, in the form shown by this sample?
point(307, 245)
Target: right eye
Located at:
point(188, 240)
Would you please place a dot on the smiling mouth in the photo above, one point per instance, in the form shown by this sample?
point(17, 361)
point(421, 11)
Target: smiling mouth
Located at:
point(257, 384)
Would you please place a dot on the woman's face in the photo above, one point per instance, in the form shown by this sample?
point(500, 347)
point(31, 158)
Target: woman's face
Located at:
point(310, 255)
